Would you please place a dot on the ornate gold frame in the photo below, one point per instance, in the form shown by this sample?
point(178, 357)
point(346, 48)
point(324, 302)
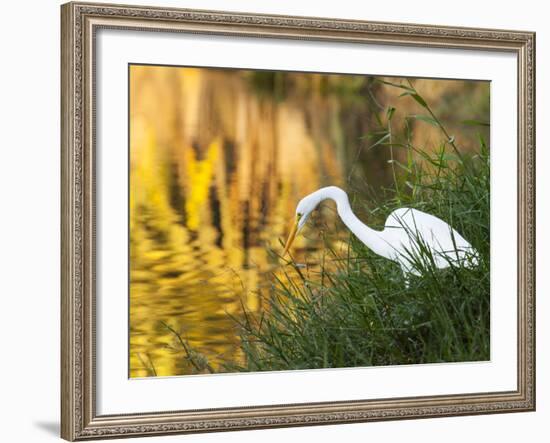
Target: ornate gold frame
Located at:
point(79, 420)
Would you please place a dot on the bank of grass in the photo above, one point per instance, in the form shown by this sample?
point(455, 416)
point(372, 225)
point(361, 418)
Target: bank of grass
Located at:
point(361, 312)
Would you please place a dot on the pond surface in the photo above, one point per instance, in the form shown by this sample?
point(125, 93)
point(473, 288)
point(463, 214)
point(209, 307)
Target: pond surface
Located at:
point(218, 161)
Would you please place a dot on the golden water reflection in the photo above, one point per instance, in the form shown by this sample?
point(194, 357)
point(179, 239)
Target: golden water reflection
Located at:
point(218, 160)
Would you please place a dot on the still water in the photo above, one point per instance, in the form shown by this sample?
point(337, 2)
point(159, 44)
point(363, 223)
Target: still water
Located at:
point(218, 161)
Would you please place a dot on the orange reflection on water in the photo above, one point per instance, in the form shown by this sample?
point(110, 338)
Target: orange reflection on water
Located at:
point(218, 160)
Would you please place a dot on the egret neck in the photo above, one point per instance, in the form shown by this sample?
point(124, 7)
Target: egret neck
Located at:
point(370, 237)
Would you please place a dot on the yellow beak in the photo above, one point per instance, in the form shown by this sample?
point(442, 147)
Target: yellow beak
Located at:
point(291, 236)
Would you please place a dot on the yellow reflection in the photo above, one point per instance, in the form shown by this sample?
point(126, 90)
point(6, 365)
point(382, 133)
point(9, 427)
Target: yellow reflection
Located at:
point(217, 165)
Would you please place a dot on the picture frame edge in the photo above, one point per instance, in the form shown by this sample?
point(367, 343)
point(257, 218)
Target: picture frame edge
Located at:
point(78, 419)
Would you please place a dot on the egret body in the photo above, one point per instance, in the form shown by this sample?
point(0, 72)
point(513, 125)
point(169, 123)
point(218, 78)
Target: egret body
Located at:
point(409, 235)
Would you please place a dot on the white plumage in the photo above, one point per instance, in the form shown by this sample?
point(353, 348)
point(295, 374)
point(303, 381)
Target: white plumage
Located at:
point(410, 237)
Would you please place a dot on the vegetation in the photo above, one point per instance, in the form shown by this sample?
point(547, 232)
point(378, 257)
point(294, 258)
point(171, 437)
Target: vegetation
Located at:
point(360, 311)
point(243, 308)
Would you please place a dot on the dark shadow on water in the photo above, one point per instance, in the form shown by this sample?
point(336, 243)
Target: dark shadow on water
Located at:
point(50, 427)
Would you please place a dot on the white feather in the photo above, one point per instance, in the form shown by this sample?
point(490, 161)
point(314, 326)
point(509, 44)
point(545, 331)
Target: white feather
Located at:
point(410, 237)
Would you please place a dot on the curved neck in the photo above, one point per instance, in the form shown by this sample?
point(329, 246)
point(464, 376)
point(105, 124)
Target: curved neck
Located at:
point(370, 237)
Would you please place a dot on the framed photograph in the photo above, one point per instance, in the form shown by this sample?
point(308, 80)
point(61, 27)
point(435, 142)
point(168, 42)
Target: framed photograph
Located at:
point(282, 221)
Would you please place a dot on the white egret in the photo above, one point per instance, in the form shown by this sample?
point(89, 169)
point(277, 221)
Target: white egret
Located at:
point(409, 235)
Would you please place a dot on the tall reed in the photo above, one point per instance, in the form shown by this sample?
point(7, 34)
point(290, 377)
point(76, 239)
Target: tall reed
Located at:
point(360, 311)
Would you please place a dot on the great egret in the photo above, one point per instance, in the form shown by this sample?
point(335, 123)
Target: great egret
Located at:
point(409, 237)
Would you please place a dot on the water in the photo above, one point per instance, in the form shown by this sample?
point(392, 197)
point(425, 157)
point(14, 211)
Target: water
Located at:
point(218, 161)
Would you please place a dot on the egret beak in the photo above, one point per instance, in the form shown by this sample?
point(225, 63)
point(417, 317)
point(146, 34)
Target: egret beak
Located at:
point(292, 235)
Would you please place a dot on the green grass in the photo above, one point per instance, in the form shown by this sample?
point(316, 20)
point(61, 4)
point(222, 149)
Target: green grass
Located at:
point(359, 311)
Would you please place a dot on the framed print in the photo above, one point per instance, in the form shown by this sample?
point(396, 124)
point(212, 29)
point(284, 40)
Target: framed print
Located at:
point(282, 221)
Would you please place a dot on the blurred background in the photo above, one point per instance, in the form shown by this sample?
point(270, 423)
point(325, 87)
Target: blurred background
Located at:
point(219, 159)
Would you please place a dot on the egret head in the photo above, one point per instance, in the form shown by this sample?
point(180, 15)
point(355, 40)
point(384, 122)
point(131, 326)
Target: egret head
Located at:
point(303, 210)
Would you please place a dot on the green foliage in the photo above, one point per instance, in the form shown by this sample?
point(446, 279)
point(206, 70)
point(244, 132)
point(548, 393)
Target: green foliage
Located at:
point(361, 311)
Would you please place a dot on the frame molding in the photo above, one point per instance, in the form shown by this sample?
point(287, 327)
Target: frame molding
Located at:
point(79, 21)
